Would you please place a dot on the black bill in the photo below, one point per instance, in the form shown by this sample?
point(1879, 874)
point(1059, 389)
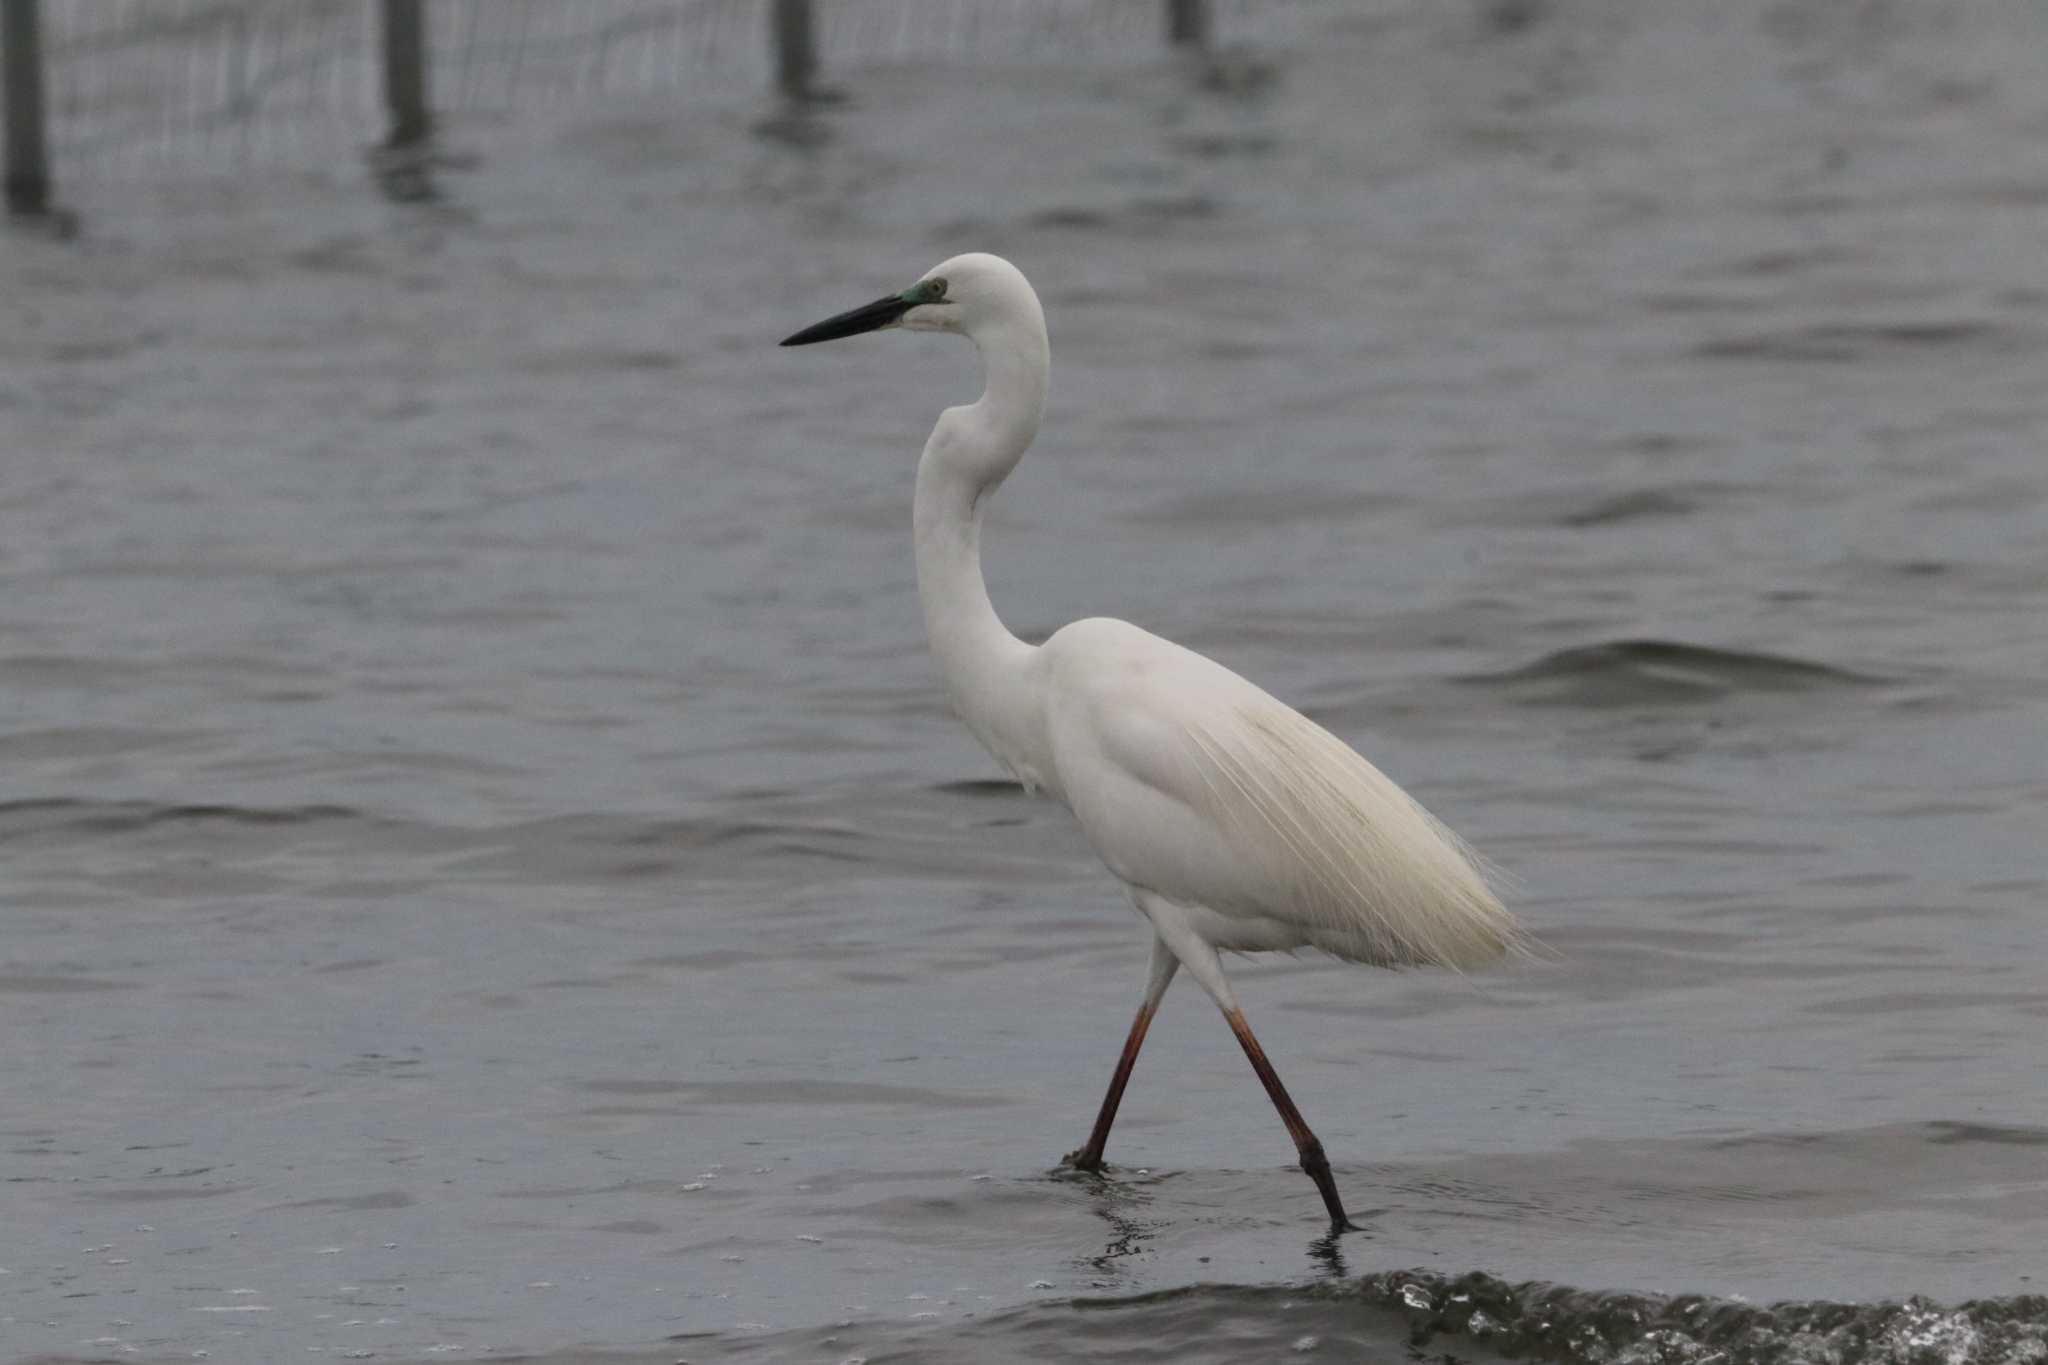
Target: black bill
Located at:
point(866, 318)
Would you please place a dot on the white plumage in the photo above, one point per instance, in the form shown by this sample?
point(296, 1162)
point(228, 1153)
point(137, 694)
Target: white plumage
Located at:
point(1237, 823)
point(1200, 787)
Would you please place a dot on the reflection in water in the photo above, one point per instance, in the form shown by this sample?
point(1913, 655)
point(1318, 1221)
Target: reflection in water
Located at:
point(796, 124)
point(1127, 1236)
point(405, 175)
point(412, 174)
point(1118, 1204)
point(1114, 1202)
point(1328, 1253)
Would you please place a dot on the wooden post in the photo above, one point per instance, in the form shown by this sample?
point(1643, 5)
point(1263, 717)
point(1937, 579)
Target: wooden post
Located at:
point(1187, 23)
point(405, 71)
point(796, 46)
point(21, 74)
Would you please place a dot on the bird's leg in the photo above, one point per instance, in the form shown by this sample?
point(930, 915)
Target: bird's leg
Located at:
point(1179, 938)
point(1089, 1158)
point(1164, 964)
point(1312, 1159)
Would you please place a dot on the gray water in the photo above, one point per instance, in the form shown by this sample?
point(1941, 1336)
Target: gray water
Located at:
point(488, 869)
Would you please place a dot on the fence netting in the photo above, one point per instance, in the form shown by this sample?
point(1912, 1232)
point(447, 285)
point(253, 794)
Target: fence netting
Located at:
point(244, 81)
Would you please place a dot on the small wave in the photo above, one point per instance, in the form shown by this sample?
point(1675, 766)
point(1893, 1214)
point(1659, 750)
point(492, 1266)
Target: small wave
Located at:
point(796, 1090)
point(1538, 1321)
point(1423, 1315)
point(608, 847)
point(1644, 504)
point(28, 982)
point(1140, 215)
point(1241, 507)
point(1775, 264)
point(72, 815)
point(1843, 343)
point(1635, 672)
point(980, 787)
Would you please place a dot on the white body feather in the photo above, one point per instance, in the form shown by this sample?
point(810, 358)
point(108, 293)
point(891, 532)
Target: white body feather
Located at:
point(1199, 787)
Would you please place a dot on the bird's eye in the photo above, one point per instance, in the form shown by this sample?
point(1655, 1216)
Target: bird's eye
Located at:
point(935, 289)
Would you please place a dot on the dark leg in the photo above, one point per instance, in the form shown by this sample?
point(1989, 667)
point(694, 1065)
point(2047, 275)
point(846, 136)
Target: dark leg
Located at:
point(1312, 1159)
point(1089, 1158)
point(1164, 965)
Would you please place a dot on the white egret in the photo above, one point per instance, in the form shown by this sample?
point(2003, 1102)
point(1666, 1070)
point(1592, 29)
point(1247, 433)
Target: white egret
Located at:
point(1237, 823)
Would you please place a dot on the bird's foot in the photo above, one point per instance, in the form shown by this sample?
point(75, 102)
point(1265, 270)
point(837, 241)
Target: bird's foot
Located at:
point(1081, 1159)
point(1318, 1168)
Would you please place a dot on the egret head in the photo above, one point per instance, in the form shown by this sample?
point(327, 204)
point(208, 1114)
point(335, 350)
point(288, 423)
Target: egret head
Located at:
point(966, 294)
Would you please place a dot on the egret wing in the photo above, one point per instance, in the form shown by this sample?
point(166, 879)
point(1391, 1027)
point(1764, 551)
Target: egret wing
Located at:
point(1200, 786)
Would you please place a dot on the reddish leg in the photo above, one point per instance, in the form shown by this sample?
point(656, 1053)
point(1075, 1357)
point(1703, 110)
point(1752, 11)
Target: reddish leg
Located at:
point(1164, 964)
point(1312, 1159)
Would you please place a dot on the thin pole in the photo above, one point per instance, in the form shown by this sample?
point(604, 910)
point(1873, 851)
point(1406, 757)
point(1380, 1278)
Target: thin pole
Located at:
point(796, 46)
point(405, 71)
point(28, 153)
point(1187, 23)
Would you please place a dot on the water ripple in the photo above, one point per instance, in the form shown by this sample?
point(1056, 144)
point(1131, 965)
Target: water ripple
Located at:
point(1648, 672)
point(1539, 1321)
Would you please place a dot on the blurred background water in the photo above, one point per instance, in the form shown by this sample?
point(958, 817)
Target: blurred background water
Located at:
point(485, 867)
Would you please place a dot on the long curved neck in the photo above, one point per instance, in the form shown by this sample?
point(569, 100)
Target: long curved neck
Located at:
point(987, 670)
